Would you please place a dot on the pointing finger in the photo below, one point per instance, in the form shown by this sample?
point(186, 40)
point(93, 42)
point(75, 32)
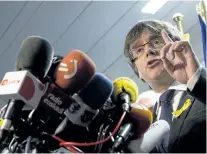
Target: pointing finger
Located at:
point(165, 37)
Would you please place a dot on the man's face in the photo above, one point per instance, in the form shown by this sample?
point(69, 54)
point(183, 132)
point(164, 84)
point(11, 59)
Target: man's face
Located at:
point(146, 53)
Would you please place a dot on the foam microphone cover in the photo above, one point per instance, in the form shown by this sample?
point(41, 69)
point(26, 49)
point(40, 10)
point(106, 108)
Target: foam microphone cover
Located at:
point(152, 137)
point(97, 92)
point(141, 118)
point(125, 84)
point(74, 72)
point(35, 55)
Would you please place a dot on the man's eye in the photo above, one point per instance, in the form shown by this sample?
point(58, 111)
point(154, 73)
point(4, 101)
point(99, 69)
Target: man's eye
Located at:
point(140, 50)
point(156, 42)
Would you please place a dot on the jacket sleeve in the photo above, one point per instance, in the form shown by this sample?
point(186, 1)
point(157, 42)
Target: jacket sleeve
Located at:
point(199, 88)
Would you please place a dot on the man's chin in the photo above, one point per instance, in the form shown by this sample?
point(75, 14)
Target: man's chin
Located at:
point(155, 74)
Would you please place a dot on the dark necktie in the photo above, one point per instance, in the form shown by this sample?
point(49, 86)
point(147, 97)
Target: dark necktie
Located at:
point(166, 114)
point(166, 106)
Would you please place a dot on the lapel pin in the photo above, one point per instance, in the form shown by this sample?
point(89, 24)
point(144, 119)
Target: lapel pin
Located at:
point(177, 113)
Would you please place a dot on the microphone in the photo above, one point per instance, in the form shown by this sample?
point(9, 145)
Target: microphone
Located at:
point(151, 138)
point(71, 74)
point(138, 122)
point(125, 90)
point(74, 72)
point(86, 103)
point(126, 93)
point(15, 85)
point(121, 138)
point(141, 117)
point(52, 105)
point(96, 93)
point(35, 57)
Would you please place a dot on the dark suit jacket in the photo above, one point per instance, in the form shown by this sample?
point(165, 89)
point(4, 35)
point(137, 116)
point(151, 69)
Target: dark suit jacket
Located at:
point(188, 131)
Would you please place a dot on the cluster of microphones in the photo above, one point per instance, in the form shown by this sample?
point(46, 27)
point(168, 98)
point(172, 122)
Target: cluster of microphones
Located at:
point(62, 105)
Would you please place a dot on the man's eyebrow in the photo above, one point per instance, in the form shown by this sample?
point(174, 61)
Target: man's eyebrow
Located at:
point(136, 44)
point(151, 37)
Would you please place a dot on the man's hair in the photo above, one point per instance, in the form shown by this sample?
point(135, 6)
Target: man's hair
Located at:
point(154, 26)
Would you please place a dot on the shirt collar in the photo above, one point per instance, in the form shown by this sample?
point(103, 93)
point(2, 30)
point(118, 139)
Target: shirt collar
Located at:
point(178, 86)
point(175, 85)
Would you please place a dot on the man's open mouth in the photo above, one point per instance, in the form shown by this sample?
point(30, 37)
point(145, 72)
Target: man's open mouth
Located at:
point(154, 62)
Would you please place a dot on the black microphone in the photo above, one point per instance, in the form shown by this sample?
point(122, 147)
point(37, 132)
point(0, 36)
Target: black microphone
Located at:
point(85, 107)
point(35, 56)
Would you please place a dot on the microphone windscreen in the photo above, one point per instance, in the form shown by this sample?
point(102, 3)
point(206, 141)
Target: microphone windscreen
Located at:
point(141, 118)
point(125, 84)
point(74, 71)
point(151, 138)
point(97, 91)
point(35, 55)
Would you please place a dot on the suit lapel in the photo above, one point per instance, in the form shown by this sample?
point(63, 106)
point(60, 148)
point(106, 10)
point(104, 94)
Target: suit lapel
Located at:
point(178, 122)
point(154, 114)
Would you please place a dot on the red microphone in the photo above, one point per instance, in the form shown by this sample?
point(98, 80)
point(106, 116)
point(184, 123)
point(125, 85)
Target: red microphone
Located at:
point(74, 72)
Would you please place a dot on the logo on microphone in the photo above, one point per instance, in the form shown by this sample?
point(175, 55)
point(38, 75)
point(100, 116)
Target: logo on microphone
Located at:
point(6, 81)
point(64, 68)
point(74, 108)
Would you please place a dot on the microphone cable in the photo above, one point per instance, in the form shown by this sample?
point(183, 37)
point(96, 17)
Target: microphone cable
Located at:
point(98, 142)
point(69, 145)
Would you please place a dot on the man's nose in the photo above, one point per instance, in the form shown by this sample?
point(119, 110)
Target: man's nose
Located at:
point(149, 51)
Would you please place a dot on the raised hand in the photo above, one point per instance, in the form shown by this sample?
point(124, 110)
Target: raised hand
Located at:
point(179, 59)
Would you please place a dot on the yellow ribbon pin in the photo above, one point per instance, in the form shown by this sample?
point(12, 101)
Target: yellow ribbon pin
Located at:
point(183, 108)
point(1, 121)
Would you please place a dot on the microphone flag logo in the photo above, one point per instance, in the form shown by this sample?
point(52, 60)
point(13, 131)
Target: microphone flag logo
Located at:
point(64, 68)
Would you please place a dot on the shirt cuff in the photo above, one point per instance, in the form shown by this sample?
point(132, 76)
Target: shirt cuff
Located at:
point(193, 80)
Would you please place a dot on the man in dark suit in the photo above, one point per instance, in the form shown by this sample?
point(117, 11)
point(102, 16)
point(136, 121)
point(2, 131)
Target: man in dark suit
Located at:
point(157, 53)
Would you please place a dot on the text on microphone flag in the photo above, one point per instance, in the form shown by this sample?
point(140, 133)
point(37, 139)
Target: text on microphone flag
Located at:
point(6, 81)
point(55, 101)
